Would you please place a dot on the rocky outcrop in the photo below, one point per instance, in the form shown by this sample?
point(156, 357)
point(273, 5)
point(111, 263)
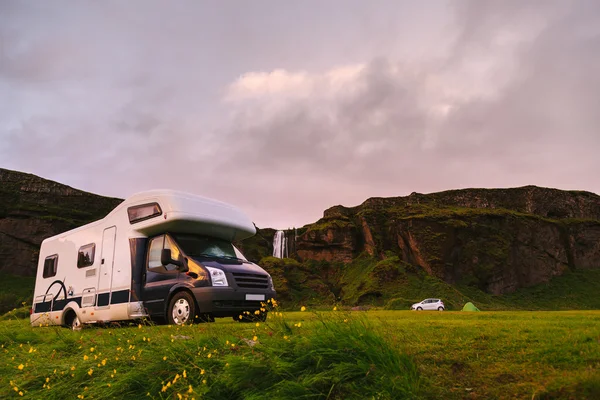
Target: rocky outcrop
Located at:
point(32, 209)
point(499, 240)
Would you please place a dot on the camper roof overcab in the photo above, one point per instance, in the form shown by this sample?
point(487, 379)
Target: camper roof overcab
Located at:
point(162, 254)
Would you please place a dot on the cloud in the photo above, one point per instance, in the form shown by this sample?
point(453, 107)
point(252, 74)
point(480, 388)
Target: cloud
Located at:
point(249, 105)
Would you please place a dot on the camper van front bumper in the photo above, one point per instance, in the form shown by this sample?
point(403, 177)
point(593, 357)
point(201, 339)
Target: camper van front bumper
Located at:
point(228, 302)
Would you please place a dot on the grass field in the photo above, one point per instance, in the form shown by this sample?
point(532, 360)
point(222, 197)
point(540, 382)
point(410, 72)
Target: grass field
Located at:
point(320, 355)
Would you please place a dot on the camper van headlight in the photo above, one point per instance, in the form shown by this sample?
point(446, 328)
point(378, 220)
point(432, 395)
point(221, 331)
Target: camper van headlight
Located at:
point(271, 283)
point(217, 277)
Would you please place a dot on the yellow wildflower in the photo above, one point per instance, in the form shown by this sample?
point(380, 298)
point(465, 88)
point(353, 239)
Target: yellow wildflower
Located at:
point(202, 372)
point(179, 396)
point(204, 381)
point(302, 308)
point(90, 372)
point(21, 366)
point(184, 374)
point(85, 357)
point(334, 308)
point(255, 338)
point(257, 324)
point(190, 389)
point(209, 355)
point(165, 358)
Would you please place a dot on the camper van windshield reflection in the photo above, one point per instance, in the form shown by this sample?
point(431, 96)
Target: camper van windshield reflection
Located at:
point(145, 211)
point(203, 246)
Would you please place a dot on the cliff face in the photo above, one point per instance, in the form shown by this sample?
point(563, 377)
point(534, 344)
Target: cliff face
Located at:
point(32, 209)
point(499, 240)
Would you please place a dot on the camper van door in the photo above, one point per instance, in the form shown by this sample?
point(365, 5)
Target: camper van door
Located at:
point(106, 266)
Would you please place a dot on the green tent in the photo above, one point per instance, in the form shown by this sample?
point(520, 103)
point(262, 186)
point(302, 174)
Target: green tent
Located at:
point(470, 307)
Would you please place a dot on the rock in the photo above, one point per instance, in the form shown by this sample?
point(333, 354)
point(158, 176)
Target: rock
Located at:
point(499, 240)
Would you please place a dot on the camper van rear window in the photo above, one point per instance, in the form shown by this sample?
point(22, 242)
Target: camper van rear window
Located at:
point(85, 258)
point(50, 265)
point(143, 212)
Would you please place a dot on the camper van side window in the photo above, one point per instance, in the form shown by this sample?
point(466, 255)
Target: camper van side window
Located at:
point(143, 212)
point(50, 266)
point(85, 257)
point(156, 246)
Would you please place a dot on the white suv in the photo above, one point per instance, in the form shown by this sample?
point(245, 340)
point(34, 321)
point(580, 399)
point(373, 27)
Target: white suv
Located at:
point(429, 304)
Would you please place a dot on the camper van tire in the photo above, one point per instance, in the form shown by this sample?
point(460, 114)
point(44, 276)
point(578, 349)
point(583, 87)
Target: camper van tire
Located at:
point(72, 320)
point(182, 308)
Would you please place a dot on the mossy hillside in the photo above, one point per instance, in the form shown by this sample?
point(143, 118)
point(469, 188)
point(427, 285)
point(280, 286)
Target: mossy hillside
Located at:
point(258, 246)
point(306, 283)
point(50, 199)
point(14, 291)
point(394, 284)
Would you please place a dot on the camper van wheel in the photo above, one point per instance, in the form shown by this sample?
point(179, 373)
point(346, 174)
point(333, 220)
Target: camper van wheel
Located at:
point(72, 320)
point(181, 309)
point(419, 308)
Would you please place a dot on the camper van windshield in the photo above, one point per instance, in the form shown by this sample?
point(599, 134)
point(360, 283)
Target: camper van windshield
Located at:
point(203, 246)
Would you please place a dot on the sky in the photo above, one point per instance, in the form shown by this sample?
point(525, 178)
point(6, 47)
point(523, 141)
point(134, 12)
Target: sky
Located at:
point(285, 109)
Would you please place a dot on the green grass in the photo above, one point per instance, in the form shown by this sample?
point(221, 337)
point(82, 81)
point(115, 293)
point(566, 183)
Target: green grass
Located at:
point(335, 355)
point(14, 291)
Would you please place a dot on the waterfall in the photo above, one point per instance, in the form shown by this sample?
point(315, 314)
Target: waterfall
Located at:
point(279, 245)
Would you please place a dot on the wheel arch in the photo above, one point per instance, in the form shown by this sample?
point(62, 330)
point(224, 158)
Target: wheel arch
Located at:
point(178, 289)
point(71, 307)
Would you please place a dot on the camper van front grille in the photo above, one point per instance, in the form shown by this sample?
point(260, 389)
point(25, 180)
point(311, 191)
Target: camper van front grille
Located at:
point(251, 281)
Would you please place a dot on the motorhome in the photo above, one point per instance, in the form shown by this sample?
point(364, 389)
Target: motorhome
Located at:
point(162, 254)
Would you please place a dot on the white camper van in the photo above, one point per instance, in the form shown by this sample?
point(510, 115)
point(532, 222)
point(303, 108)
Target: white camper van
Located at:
point(162, 254)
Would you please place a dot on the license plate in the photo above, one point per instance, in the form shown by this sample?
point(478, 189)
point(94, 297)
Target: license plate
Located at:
point(255, 297)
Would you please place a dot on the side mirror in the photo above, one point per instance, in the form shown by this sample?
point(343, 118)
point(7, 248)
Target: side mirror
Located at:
point(165, 258)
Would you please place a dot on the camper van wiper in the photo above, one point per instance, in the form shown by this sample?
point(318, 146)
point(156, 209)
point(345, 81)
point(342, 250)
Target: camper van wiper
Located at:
point(223, 257)
point(236, 259)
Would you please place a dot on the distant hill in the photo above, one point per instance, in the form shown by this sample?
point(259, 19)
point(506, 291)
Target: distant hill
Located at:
point(528, 247)
point(463, 243)
point(32, 209)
